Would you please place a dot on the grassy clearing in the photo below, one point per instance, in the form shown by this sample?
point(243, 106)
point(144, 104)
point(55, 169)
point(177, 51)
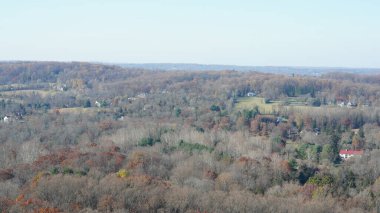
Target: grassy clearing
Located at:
point(251, 102)
point(42, 93)
point(268, 108)
point(77, 110)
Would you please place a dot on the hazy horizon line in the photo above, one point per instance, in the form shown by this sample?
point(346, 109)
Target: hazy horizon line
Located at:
point(188, 63)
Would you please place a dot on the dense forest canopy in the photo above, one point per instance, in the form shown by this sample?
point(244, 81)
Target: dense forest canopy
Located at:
point(83, 137)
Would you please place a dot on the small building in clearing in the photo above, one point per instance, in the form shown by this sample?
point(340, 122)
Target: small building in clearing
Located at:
point(251, 94)
point(6, 119)
point(97, 104)
point(346, 154)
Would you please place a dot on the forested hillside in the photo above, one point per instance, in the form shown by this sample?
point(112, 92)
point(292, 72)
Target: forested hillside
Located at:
point(82, 137)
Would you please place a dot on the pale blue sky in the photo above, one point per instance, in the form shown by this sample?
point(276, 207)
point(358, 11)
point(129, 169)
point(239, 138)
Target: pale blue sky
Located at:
point(344, 33)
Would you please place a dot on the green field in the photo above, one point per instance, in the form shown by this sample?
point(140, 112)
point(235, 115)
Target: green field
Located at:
point(42, 93)
point(268, 108)
point(80, 110)
point(251, 102)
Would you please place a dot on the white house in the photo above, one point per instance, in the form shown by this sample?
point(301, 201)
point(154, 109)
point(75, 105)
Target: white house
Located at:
point(346, 154)
point(351, 104)
point(97, 104)
point(251, 94)
point(6, 119)
point(141, 95)
point(60, 87)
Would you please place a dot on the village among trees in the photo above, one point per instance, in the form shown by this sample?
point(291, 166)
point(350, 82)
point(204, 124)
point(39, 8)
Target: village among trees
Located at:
point(83, 137)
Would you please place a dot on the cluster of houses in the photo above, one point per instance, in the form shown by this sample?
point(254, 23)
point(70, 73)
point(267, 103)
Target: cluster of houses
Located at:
point(61, 88)
point(348, 104)
point(139, 96)
point(11, 118)
point(103, 103)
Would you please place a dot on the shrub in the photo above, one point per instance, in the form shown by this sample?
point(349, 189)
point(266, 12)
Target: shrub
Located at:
point(199, 129)
point(321, 180)
point(87, 104)
point(67, 171)
point(81, 173)
point(54, 171)
point(215, 108)
point(315, 102)
point(293, 164)
point(147, 141)
point(177, 112)
point(190, 147)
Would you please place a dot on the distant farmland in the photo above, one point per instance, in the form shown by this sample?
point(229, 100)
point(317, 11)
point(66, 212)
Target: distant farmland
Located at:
point(273, 106)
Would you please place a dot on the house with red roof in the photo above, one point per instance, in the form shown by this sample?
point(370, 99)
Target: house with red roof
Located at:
point(346, 154)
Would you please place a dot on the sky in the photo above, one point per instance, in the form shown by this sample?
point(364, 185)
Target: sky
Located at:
point(328, 33)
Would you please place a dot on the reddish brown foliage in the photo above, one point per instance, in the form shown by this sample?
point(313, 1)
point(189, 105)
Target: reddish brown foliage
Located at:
point(244, 161)
point(46, 210)
point(136, 160)
point(92, 145)
point(106, 125)
point(140, 180)
point(57, 111)
point(284, 165)
point(119, 159)
point(52, 159)
point(106, 204)
point(6, 174)
point(20, 198)
point(114, 148)
point(6, 203)
point(210, 175)
point(308, 189)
